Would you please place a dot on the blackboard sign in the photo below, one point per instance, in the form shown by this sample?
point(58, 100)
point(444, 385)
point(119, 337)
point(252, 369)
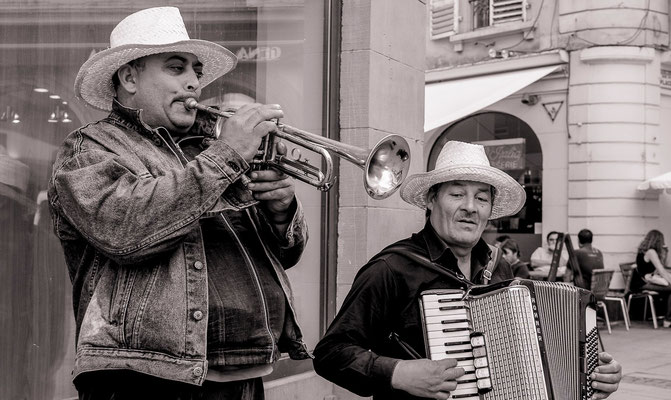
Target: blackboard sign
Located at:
point(506, 154)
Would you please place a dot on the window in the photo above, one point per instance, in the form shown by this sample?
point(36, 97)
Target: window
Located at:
point(445, 15)
point(444, 18)
point(280, 47)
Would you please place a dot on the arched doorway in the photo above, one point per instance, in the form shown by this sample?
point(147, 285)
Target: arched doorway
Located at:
point(512, 146)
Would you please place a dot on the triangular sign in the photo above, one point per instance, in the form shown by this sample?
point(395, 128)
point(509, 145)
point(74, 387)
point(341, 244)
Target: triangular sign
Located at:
point(553, 108)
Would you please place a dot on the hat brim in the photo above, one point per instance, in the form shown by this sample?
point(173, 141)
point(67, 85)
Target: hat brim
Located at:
point(94, 81)
point(508, 200)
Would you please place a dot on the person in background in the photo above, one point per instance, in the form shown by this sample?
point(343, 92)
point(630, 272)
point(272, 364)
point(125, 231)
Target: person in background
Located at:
point(589, 257)
point(358, 351)
point(500, 239)
point(541, 258)
point(651, 272)
point(511, 253)
point(177, 261)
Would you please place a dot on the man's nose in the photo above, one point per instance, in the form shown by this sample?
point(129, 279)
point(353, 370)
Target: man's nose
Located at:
point(192, 81)
point(469, 204)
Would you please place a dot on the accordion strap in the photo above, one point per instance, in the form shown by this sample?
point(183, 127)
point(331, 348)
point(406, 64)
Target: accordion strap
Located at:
point(412, 253)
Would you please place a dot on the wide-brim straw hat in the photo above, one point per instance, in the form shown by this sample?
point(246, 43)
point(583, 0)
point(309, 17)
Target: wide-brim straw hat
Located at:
point(146, 32)
point(459, 161)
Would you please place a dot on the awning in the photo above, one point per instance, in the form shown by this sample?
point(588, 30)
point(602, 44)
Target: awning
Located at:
point(448, 101)
point(656, 184)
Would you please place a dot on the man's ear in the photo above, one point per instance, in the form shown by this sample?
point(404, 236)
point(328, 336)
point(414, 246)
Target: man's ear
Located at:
point(430, 197)
point(127, 76)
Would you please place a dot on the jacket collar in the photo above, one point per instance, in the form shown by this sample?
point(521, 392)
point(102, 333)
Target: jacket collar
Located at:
point(131, 118)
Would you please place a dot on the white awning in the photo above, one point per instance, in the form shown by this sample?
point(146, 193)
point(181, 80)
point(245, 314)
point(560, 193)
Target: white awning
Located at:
point(656, 184)
point(448, 101)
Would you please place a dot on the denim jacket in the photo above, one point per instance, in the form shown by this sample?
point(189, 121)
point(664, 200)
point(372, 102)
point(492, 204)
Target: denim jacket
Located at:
point(126, 204)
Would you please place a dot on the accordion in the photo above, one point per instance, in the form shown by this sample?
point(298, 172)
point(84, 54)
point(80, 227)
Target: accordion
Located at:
point(518, 339)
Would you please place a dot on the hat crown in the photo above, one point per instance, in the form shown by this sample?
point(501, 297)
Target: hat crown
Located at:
point(152, 26)
point(460, 153)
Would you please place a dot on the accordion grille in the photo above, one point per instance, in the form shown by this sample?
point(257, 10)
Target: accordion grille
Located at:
point(559, 312)
point(515, 359)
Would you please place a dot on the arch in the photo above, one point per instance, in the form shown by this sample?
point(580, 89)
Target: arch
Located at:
point(501, 130)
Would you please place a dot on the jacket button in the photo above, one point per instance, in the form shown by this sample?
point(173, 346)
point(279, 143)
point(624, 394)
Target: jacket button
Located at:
point(198, 315)
point(198, 265)
point(235, 167)
point(198, 371)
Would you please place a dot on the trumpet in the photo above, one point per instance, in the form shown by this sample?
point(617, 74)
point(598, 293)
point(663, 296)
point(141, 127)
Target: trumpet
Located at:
point(385, 165)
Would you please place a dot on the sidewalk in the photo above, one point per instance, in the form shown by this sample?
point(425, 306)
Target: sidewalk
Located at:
point(645, 356)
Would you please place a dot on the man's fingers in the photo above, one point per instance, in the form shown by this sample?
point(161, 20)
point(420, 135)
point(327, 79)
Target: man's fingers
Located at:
point(447, 363)
point(605, 357)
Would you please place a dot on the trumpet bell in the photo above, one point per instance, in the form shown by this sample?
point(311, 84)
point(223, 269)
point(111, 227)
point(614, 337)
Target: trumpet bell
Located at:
point(386, 167)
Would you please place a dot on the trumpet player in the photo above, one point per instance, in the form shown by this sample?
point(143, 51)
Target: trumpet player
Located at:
point(177, 267)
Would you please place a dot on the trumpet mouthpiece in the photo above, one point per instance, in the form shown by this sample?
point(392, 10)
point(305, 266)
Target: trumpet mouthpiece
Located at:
point(190, 103)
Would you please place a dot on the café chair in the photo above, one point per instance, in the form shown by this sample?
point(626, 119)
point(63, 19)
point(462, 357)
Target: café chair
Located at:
point(648, 295)
point(600, 284)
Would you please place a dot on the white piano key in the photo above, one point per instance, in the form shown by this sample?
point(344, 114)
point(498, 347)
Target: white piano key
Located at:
point(435, 311)
point(466, 363)
point(465, 355)
point(445, 305)
point(467, 377)
point(462, 335)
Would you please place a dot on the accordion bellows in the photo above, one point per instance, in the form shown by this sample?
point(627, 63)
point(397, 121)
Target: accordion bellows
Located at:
point(519, 339)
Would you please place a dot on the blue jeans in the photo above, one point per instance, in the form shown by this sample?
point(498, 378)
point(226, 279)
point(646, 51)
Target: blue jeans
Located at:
point(121, 385)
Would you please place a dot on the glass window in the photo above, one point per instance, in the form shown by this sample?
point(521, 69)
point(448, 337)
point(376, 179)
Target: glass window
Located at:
point(512, 146)
point(280, 45)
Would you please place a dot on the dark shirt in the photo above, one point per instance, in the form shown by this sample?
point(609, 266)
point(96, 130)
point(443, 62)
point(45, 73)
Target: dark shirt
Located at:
point(589, 259)
point(642, 269)
point(520, 270)
point(356, 352)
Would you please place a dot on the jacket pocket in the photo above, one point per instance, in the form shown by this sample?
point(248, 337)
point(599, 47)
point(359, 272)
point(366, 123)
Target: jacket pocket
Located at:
point(119, 295)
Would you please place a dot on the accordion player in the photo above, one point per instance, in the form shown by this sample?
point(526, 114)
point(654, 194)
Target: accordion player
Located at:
point(540, 344)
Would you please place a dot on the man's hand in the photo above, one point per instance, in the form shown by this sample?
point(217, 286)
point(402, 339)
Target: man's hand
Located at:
point(244, 130)
point(427, 378)
point(606, 377)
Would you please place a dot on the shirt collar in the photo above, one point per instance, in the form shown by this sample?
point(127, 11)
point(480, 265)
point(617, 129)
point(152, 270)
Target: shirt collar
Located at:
point(437, 248)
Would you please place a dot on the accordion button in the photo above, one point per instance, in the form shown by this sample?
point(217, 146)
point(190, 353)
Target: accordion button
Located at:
point(479, 352)
point(484, 383)
point(477, 341)
point(480, 362)
point(482, 373)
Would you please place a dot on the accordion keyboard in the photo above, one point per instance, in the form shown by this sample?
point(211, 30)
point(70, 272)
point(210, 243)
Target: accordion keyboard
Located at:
point(449, 335)
point(522, 340)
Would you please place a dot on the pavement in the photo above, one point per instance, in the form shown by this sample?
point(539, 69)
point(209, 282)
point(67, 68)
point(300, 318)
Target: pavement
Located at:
point(645, 356)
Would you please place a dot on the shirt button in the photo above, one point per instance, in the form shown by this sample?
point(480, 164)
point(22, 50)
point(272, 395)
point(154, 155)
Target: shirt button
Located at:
point(198, 315)
point(235, 167)
point(198, 371)
point(198, 265)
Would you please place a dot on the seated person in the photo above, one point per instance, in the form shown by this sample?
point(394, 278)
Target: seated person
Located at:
point(511, 253)
point(651, 272)
point(542, 256)
point(500, 239)
point(589, 258)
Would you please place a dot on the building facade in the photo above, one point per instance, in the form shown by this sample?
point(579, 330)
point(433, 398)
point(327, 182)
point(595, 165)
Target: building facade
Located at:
point(351, 71)
point(573, 96)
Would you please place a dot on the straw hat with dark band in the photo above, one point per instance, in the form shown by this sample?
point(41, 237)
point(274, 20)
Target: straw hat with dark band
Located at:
point(459, 161)
point(150, 31)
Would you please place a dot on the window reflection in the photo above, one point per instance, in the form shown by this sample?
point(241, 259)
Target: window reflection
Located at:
point(280, 49)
